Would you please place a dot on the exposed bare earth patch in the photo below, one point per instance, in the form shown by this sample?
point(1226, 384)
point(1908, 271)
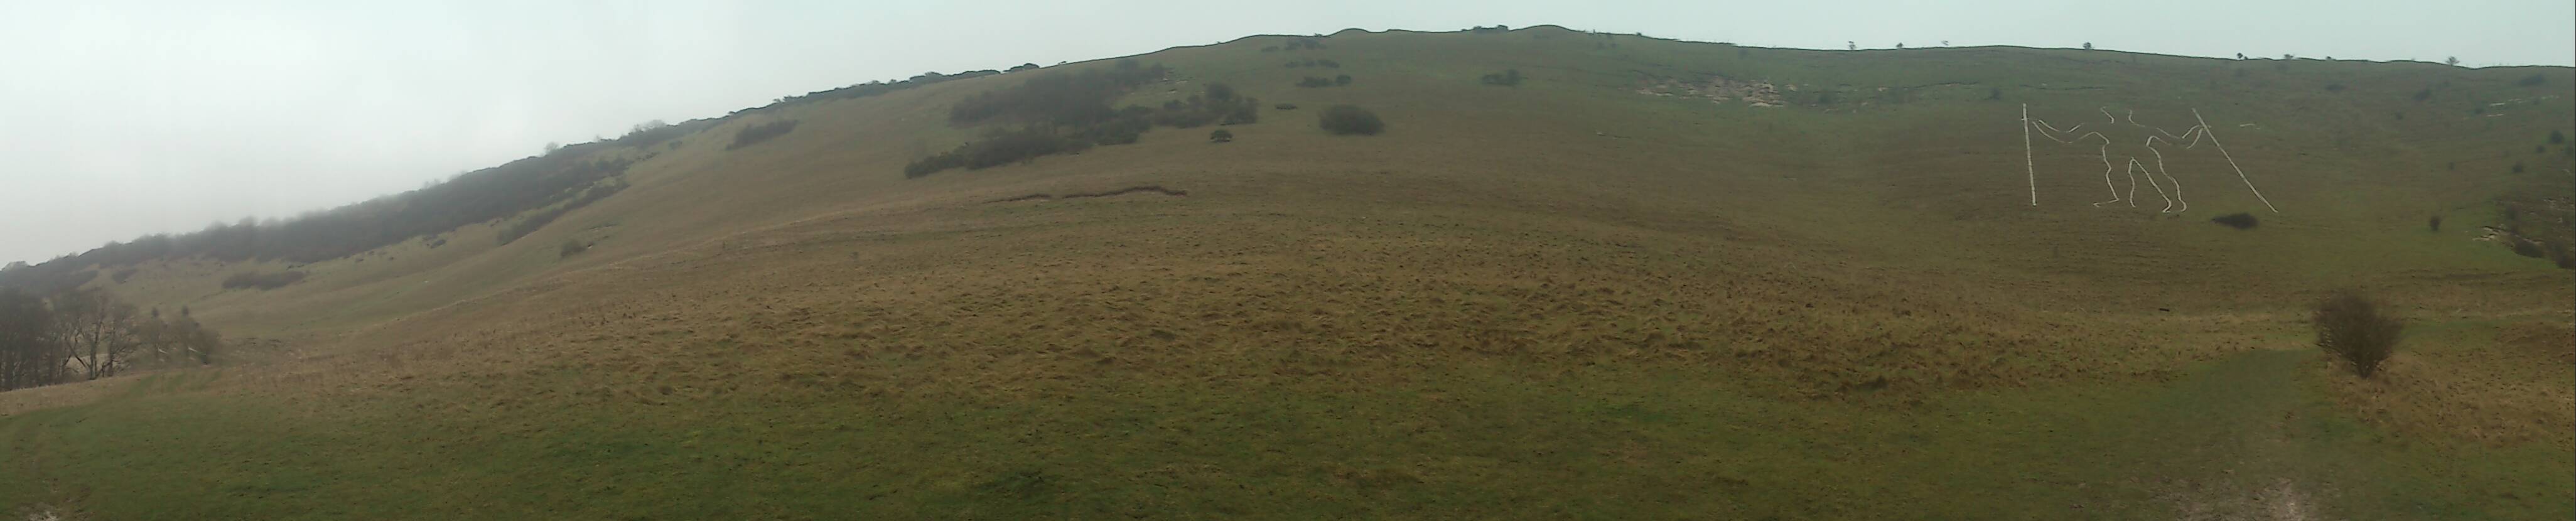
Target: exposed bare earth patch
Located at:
point(1715, 89)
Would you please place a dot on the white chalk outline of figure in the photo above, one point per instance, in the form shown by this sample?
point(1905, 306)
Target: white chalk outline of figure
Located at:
point(2174, 201)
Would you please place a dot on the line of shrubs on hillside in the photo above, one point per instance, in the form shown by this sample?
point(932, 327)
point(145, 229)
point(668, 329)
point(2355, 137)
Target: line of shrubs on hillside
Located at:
point(538, 219)
point(473, 197)
point(1070, 112)
point(262, 280)
point(478, 196)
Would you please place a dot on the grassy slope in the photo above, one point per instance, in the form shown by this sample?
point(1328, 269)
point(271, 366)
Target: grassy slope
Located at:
point(1563, 299)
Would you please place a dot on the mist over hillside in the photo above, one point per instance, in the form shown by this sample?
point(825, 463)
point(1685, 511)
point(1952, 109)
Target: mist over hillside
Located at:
point(1498, 272)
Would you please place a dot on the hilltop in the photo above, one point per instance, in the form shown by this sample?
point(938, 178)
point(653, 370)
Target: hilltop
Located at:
point(1573, 275)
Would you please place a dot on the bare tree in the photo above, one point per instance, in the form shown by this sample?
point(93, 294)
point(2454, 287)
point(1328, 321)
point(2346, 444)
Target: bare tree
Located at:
point(96, 331)
point(2453, 61)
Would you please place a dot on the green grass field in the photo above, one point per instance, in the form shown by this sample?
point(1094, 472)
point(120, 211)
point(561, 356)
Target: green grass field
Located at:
point(1565, 299)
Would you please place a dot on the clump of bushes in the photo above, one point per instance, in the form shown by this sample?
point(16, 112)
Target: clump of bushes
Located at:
point(1285, 106)
point(754, 134)
point(2350, 327)
point(1507, 78)
point(1058, 99)
point(1221, 136)
point(1070, 113)
point(123, 274)
point(1219, 104)
point(1305, 44)
point(2239, 220)
point(998, 148)
point(262, 281)
point(1343, 120)
point(571, 247)
point(2434, 223)
point(2527, 248)
point(1328, 64)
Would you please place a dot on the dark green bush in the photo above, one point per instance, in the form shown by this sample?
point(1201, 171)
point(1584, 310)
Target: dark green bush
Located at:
point(1342, 80)
point(1507, 78)
point(2527, 248)
point(754, 134)
point(1343, 120)
point(1221, 136)
point(1315, 81)
point(571, 247)
point(2350, 327)
point(2239, 220)
point(2434, 224)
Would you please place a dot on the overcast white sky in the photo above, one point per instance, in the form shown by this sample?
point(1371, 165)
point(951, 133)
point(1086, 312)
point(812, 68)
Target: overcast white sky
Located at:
point(119, 119)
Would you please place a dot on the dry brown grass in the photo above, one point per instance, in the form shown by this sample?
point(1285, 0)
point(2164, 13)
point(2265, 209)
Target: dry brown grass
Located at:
point(1861, 256)
point(2512, 387)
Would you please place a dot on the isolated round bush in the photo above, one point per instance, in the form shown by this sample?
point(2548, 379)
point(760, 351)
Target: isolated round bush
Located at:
point(1343, 120)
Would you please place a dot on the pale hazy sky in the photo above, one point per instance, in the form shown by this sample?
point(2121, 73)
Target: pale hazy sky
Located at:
point(119, 119)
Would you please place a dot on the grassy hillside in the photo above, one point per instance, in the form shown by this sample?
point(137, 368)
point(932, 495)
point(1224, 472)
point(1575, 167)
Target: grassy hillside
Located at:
point(1596, 294)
